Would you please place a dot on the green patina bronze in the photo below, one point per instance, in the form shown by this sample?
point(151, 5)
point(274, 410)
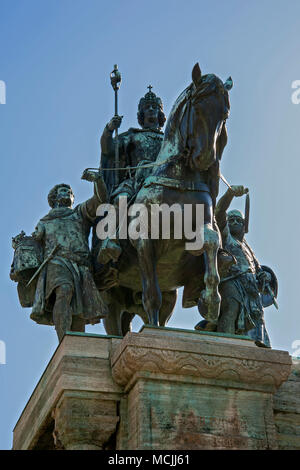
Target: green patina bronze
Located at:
point(245, 287)
point(64, 293)
point(68, 285)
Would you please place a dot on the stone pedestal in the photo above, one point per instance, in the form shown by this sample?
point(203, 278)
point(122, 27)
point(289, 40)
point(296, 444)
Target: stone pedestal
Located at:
point(75, 404)
point(159, 389)
point(287, 410)
point(198, 391)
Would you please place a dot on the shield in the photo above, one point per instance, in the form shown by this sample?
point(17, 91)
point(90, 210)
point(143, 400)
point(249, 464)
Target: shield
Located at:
point(267, 299)
point(28, 257)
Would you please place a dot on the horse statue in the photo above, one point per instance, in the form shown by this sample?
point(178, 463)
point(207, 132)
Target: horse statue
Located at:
point(186, 172)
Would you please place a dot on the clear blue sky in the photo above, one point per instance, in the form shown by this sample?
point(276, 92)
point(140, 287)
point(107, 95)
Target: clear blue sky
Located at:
point(56, 57)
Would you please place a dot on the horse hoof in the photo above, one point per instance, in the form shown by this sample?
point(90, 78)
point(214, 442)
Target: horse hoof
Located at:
point(202, 308)
point(260, 344)
point(204, 325)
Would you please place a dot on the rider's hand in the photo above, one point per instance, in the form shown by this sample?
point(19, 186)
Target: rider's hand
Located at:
point(238, 191)
point(114, 123)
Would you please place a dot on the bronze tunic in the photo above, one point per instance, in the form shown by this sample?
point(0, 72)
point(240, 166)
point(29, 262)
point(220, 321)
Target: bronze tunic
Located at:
point(71, 265)
point(244, 288)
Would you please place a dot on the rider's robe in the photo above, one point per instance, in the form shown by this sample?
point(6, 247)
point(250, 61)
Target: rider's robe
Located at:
point(136, 146)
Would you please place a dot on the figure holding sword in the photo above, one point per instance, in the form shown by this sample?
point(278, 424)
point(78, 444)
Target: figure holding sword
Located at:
point(248, 287)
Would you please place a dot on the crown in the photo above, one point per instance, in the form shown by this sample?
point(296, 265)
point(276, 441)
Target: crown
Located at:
point(18, 239)
point(150, 97)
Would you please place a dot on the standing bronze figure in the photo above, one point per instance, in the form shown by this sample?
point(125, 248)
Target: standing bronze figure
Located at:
point(246, 288)
point(63, 293)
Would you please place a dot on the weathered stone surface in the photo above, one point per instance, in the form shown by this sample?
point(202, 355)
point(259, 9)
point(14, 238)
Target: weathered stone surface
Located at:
point(84, 421)
point(77, 384)
point(216, 356)
point(287, 410)
point(162, 388)
point(188, 390)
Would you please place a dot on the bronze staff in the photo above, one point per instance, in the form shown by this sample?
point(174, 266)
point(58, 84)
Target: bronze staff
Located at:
point(115, 79)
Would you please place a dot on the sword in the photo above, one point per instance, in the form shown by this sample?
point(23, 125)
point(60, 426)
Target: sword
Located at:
point(273, 296)
point(49, 257)
point(247, 212)
point(115, 79)
point(224, 180)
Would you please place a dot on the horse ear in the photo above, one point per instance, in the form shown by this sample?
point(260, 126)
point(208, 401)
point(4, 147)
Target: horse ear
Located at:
point(196, 74)
point(228, 84)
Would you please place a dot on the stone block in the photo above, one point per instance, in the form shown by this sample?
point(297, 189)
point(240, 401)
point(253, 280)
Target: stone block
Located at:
point(75, 403)
point(162, 389)
point(192, 390)
point(287, 410)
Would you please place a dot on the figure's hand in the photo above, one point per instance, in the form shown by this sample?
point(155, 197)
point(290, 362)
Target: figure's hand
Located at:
point(263, 276)
point(238, 191)
point(38, 233)
point(90, 175)
point(114, 123)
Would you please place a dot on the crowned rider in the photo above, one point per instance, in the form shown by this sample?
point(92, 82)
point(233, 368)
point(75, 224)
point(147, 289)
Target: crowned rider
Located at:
point(137, 146)
point(245, 286)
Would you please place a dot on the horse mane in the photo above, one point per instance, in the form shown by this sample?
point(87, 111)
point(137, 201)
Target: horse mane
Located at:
point(210, 83)
point(177, 112)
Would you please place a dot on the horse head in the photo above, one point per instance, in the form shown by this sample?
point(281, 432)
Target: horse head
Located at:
point(197, 122)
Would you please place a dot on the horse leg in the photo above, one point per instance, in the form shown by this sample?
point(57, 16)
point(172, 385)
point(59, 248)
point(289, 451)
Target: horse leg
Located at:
point(211, 297)
point(126, 319)
point(152, 297)
point(168, 305)
point(112, 323)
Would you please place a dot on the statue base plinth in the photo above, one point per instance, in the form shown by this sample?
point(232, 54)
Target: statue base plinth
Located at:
point(161, 389)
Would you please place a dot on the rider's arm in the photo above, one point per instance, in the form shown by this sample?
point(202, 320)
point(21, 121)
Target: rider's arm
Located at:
point(107, 141)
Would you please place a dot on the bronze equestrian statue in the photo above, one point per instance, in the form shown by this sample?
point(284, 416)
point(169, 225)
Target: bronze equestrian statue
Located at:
point(186, 171)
